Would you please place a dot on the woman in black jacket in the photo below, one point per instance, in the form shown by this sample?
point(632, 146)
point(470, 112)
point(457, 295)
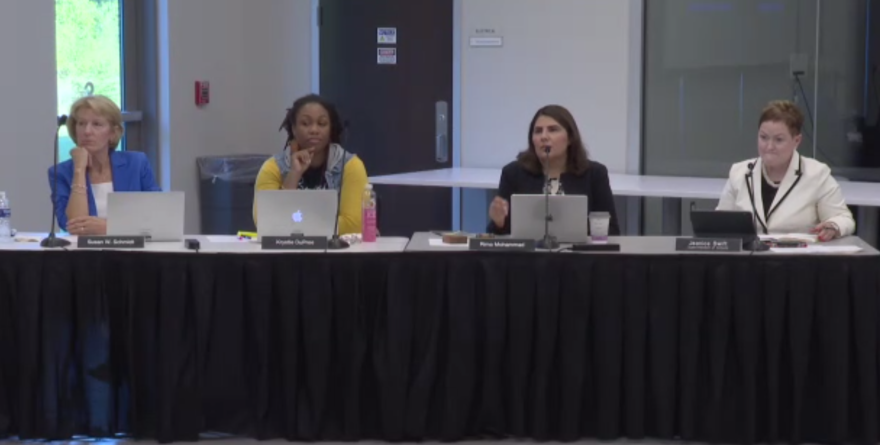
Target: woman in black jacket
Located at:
point(568, 170)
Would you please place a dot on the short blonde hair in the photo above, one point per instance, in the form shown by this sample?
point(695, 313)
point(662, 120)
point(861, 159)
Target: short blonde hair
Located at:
point(102, 105)
point(784, 111)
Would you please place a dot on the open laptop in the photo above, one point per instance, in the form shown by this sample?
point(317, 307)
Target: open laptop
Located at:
point(296, 212)
point(569, 224)
point(733, 224)
point(156, 215)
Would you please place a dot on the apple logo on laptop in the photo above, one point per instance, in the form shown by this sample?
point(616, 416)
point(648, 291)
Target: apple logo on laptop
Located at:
point(297, 216)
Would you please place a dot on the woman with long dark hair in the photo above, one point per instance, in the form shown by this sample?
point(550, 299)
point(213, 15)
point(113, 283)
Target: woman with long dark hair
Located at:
point(567, 167)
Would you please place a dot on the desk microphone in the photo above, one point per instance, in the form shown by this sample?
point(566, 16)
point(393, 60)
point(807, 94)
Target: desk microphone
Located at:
point(548, 242)
point(750, 181)
point(335, 243)
point(51, 241)
point(750, 184)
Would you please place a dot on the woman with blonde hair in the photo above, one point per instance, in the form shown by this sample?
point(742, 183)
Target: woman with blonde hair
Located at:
point(95, 168)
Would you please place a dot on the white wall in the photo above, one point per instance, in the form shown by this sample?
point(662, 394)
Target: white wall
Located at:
point(27, 122)
point(256, 56)
point(583, 54)
point(574, 53)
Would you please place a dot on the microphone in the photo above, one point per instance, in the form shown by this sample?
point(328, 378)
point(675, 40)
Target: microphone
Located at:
point(749, 182)
point(51, 241)
point(548, 242)
point(335, 243)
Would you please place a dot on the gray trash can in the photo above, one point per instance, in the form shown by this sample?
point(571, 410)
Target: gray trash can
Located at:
point(226, 192)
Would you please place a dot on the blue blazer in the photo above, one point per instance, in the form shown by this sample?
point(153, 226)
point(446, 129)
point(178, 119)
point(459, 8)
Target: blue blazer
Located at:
point(131, 173)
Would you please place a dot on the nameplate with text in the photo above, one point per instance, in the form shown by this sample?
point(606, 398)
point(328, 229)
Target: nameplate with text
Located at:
point(520, 245)
point(294, 242)
point(110, 242)
point(708, 245)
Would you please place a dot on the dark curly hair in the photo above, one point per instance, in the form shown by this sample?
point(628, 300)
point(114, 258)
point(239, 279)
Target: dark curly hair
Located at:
point(336, 127)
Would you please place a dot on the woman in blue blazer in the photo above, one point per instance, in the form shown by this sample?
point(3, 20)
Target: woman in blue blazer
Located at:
point(95, 168)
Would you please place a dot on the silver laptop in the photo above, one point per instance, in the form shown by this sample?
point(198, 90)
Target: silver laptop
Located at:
point(289, 212)
point(155, 215)
point(569, 224)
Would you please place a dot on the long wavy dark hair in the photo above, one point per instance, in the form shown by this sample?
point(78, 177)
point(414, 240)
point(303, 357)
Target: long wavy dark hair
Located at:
point(576, 159)
point(337, 129)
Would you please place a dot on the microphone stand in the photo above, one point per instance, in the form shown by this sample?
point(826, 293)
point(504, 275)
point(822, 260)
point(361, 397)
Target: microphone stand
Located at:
point(549, 241)
point(335, 243)
point(51, 241)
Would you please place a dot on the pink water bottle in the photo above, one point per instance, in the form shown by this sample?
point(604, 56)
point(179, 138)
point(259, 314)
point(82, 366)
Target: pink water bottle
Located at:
point(368, 232)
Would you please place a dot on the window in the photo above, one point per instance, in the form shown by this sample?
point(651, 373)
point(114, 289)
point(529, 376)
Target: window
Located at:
point(98, 52)
point(711, 66)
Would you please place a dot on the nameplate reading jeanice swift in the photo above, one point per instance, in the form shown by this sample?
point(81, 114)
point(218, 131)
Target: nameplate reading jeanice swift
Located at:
point(294, 242)
point(708, 245)
point(110, 242)
point(521, 245)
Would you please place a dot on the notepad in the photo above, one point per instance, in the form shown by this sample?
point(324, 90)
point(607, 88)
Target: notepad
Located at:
point(803, 237)
point(817, 248)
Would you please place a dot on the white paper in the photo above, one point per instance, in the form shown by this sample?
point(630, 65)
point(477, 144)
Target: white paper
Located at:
point(805, 237)
point(438, 242)
point(817, 248)
point(225, 239)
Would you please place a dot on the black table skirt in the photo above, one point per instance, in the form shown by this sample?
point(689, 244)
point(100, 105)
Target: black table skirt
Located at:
point(439, 346)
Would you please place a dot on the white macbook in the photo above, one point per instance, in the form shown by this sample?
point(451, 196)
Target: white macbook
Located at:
point(569, 224)
point(156, 215)
point(296, 212)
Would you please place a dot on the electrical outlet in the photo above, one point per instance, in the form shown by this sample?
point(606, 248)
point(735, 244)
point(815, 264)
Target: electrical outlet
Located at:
point(797, 64)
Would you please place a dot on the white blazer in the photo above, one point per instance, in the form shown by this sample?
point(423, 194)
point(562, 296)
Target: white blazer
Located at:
point(813, 196)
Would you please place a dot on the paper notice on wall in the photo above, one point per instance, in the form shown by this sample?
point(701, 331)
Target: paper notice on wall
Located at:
point(386, 56)
point(386, 36)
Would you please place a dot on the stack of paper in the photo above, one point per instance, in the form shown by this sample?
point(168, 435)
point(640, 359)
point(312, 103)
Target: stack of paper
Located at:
point(802, 237)
point(817, 248)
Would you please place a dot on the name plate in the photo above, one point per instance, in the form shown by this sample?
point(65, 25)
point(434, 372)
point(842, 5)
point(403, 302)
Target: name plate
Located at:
point(294, 242)
point(110, 242)
point(521, 245)
point(708, 245)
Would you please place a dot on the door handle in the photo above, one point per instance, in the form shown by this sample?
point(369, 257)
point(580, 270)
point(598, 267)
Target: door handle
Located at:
point(442, 150)
point(441, 138)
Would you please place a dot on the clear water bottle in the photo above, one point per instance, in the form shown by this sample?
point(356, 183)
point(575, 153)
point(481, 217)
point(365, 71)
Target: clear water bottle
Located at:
point(5, 220)
point(369, 231)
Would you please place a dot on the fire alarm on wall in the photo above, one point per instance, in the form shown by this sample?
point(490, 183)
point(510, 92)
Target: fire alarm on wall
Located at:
point(203, 93)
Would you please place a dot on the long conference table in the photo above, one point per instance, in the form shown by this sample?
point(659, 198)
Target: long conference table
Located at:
point(672, 189)
point(410, 339)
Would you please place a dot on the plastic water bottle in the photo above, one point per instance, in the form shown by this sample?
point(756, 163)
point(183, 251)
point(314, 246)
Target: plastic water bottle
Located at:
point(368, 231)
point(5, 220)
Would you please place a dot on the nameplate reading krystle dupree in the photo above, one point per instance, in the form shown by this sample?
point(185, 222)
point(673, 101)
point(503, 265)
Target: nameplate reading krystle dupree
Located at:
point(110, 242)
point(519, 245)
point(708, 245)
point(294, 242)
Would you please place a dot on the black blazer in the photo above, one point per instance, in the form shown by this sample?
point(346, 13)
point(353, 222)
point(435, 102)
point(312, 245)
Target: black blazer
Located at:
point(594, 183)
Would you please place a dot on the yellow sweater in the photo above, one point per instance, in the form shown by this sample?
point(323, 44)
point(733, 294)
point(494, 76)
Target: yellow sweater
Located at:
point(354, 181)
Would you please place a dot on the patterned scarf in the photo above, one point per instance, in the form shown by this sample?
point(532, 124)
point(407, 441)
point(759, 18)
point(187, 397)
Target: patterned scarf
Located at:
point(337, 157)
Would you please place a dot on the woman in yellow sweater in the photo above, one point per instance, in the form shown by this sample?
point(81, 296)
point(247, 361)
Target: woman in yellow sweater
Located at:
point(313, 159)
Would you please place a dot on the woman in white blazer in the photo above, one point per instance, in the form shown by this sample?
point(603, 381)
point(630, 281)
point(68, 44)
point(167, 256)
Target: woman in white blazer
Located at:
point(787, 192)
